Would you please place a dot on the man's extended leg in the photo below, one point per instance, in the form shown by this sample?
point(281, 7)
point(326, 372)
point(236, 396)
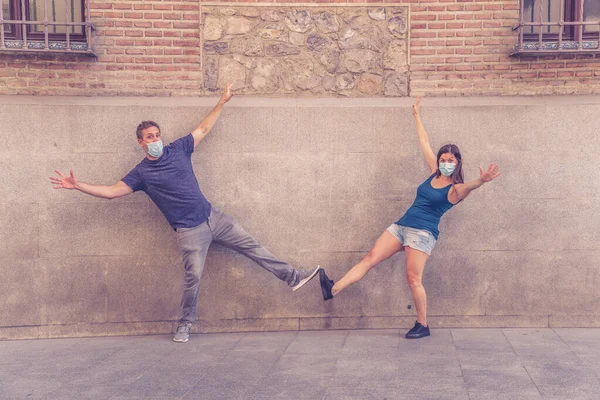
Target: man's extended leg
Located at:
point(229, 233)
point(193, 244)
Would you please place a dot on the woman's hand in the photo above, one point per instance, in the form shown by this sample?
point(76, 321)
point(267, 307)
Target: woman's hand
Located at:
point(416, 108)
point(490, 174)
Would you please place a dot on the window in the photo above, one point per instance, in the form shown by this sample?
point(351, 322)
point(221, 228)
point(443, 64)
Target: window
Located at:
point(550, 26)
point(24, 26)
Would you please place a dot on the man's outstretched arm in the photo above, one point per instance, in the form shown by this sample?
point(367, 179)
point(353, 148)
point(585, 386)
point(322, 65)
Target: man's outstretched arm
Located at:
point(207, 123)
point(119, 189)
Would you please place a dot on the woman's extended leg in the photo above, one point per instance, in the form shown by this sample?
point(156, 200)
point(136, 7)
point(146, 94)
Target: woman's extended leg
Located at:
point(385, 246)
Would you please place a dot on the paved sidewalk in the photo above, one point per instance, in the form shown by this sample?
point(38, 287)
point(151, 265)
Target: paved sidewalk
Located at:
point(453, 364)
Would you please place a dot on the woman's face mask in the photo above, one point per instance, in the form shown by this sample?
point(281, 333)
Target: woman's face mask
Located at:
point(447, 168)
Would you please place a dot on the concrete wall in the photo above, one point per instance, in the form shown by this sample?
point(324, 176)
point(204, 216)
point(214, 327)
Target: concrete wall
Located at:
point(316, 181)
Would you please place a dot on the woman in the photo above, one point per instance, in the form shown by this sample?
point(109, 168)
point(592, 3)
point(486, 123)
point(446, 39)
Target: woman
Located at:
point(417, 231)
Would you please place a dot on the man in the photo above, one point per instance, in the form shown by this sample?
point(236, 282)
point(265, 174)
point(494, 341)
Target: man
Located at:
point(166, 175)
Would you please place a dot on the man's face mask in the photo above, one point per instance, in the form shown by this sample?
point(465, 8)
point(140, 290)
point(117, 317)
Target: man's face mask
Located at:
point(155, 149)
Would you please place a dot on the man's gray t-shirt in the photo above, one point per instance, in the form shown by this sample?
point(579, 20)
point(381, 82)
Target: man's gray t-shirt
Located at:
point(171, 184)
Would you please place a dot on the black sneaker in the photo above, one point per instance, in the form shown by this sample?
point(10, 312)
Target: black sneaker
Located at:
point(326, 284)
point(418, 331)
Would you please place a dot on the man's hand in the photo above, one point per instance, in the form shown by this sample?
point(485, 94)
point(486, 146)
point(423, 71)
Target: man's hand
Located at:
point(65, 182)
point(227, 94)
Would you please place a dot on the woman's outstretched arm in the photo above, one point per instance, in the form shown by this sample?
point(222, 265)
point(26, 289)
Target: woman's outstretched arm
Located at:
point(423, 138)
point(462, 190)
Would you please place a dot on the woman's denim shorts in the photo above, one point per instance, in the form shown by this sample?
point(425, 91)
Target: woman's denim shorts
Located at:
point(417, 239)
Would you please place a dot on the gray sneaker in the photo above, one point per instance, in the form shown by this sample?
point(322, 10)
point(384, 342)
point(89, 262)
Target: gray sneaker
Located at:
point(183, 332)
point(305, 277)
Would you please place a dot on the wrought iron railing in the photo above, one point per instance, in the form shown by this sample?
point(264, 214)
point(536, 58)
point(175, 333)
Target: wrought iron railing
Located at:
point(29, 42)
point(568, 37)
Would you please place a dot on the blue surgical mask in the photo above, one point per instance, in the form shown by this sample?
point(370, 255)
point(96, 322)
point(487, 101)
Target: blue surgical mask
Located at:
point(155, 149)
point(447, 168)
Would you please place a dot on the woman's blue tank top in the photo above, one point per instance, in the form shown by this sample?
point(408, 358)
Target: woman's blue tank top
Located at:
point(428, 207)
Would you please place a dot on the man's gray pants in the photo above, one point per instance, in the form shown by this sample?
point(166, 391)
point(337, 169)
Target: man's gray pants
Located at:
point(221, 228)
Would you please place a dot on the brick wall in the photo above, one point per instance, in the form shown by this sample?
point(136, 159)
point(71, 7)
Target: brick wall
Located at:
point(152, 48)
point(462, 47)
point(145, 48)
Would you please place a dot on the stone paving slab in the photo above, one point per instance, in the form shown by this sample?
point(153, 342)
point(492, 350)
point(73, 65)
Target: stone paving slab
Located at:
point(453, 364)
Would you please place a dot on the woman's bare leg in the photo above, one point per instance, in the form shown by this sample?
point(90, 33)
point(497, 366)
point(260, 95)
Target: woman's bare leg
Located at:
point(415, 264)
point(385, 246)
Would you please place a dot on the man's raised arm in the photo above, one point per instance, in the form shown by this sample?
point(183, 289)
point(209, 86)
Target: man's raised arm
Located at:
point(209, 121)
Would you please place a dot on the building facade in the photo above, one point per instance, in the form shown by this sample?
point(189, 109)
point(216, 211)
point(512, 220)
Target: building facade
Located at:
point(316, 155)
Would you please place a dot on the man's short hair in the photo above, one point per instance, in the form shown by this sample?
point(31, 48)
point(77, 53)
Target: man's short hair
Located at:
point(143, 125)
